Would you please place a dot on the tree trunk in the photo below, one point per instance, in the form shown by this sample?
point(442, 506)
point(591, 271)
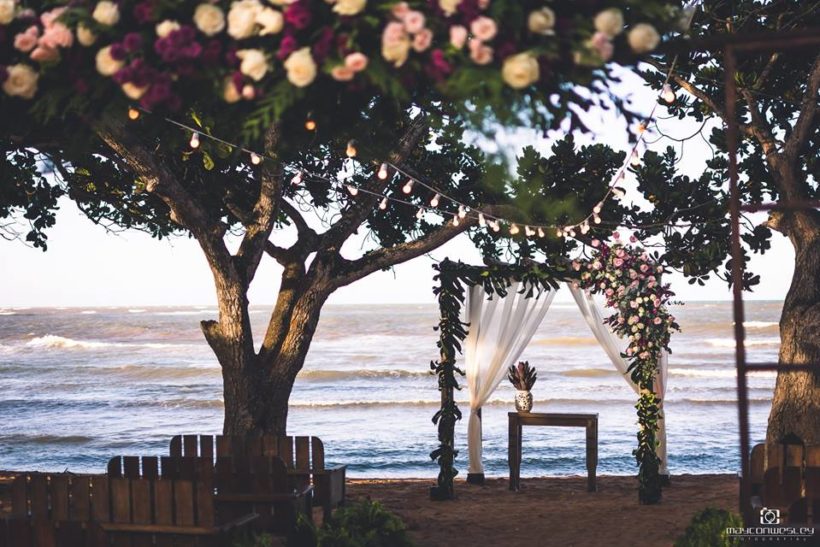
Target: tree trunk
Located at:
point(796, 403)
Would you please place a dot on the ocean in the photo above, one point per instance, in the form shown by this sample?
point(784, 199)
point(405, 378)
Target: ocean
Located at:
point(78, 386)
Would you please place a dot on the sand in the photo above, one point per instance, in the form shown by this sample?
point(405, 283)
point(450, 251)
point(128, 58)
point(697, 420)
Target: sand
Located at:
point(549, 511)
point(546, 512)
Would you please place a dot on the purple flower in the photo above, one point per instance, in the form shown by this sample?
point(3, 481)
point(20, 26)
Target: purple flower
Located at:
point(211, 52)
point(298, 15)
point(286, 47)
point(118, 51)
point(132, 42)
point(321, 49)
point(144, 12)
point(439, 68)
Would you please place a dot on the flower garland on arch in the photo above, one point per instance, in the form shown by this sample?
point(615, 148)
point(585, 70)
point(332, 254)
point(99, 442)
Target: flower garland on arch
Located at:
point(169, 55)
point(631, 282)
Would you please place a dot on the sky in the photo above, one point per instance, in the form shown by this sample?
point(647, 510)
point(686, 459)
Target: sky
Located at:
point(86, 266)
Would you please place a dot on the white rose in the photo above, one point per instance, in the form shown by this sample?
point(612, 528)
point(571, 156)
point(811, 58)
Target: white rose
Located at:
point(301, 67)
point(6, 11)
point(610, 22)
point(134, 92)
point(85, 35)
point(520, 70)
point(349, 7)
point(396, 52)
point(271, 21)
point(541, 21)
point(21, 81)
point(209, 19)
point(107, 65)
point(449, 6)
point(229, 92)
point(643, 38)
point(254, 64)
point(106, 13)
point(166, 27)
point(242, 18)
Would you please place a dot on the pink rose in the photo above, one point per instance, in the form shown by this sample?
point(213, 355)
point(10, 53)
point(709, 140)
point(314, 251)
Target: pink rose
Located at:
point(483, 4)
point(458, 36)
point(341, 73)
point(610, 292)
point(483, 28)
point(414, 21)
point(400, 10)
point(595, 243)
point(393, 33)
point(479, 53)
point(616, 235)
point(657, 321)
point(25, 41)
point(43, 54)
point(618, 262)
point(602, 45)
point(423, 39)
point(644, 267)
point(633, 239)
point(576, 265)
point(356, 61)
point(57, 35)
point(50, 16)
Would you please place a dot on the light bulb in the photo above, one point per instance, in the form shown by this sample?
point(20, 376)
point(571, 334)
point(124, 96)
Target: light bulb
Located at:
point(435, 201)
point(596, 219)
point(572, 233)
point(408, 187)
point(618, 192)
point(255, 158)
point(541, 232)
point(297, 178)
point(455, 220)
point(641, 127)
point(383, 204)
point(514, 229)
point(481, 220)
point(310, 124)
point(133, 114)
point(584, 228)
point(496, 226)
point(352, 189)
point(559, 232)
point(529, 231)
point(635, 159)
point(382, 174)
point(597, 209)
point(668, 94)
point(195, 140)
point(352, 150)
point(462, 212)
point(420, 213)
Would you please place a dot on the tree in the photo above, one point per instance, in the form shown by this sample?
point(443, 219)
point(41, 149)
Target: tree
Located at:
point(777, 116)
point(296, 85)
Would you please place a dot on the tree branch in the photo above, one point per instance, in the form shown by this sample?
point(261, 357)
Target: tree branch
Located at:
point(808, 110)
point(308, 238)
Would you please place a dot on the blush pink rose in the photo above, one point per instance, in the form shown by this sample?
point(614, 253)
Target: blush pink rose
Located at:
point(342, 73)
point(479, 53)
point(49, 17)
point(483, 28)
point(423, 39)
point(25, 41)
point(43, 54)
point(400, 10)
point(483, 4)
point(414, 21)
point(356, 61)
point(602, 45)
point(57, 35)
point(393, 33)
point(458, 36)
point(618, 262)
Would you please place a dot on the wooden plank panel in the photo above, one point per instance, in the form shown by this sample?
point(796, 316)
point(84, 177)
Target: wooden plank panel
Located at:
point(223, 446)
point(20, 533)
point(19, 496)
point(80, 499)
point(204, 502)
point(163, 501)
point(261, 479)
point(100, 499)
point(238, 449)
point(279, 475)
point(254, 446)
point(318, 460)
point(224, 478)
point(71, 534)
point(302, 453)
point(813, 456)
point(794, 455)
point(270, 445)
point(184, 503)
point(150, 467)
point(286, 451)
point(38, 490)
point(120, 500)
point(169, 468)
point(59, 497)
point(44, 535)
point(187, 468)
point(141, 510)
point(206, 446)
point(115, 467)
point(190, 446)
point(131, 467)
point(176, 446)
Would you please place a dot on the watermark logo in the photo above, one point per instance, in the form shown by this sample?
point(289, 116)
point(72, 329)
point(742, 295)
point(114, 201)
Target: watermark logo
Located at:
point(769, 516)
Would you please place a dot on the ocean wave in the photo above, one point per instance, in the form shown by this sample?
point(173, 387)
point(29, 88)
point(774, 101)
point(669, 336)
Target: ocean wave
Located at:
point(88, 312)
point(45, 439)
point(565, 341)
point(7, 312)
point(730, 342)
point(760, 324)
point(590, 373)
point(361, 373)
point(52, 341)
point(185, 312)
point(137, 310)
point(714, 373)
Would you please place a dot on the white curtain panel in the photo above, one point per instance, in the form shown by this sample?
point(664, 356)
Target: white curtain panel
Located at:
point(611, 344)
point(500, 329)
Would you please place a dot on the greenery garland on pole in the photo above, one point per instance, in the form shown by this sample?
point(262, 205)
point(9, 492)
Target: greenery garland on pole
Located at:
point(631, 282)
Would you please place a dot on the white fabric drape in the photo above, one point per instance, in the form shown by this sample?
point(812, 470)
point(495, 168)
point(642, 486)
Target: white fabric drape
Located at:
point(592, 314)
point(500, 329)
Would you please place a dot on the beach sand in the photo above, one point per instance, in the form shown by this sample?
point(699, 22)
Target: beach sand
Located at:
point(546, 512)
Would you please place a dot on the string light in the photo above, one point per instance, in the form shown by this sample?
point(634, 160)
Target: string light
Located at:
point(584, 227)
point(462, 212)
point(596, 219)
point(352, 149)
point(435, 201)
point(496, 226)
point(310, 124)
point(481, 220)
point(408, 187)
point(353, 190)
point(455, 220)
point(383, 204)
point(634, 159)
point(618, 192)
point(529, 231)
point(297, 178)
point(597, 208)
point(382, 174)
point(541, 232)
point(133, 114)
point(559, 232)
point(514, 229)
point(256, 159)
point(194, 140)
point(668, 94)
point(420, 213)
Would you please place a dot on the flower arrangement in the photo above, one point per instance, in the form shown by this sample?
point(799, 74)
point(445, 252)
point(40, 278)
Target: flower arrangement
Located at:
point(631, 282)
point(522, 376)
point(164, 54)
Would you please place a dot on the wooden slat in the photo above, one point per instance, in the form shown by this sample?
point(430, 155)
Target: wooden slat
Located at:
point(44, 535)
point(253, 446)
point(223, 446)
point(262, 480)
point(286, 451)
point(19, 496)
point(204, 502)
point(20, 532)
point(238, 449)
point(120, 500)
point(141, 506)
point(39, 495)
point(206, 446)
point(184, 503)
point(813, 456)
point(131, 467)
point(164, 502)
point(100, 499)
point(187, 468)
point(71, 534)
point(114, 467)
point(302, 453)
point(318, 463)
point(190, 446)
point(176, 446)
point(150, 467)
point(224, 478)
point(59, 497)
point(169, 468)
point(270, 445)
point(279, 475)
point(80, 499)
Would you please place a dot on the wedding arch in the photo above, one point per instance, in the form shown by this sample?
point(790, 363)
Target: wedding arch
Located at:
point(489, 314)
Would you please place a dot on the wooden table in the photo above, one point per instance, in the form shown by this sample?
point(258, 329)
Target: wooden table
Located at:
point(519, 419)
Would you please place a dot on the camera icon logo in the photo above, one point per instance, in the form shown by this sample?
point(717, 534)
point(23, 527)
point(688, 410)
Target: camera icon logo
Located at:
point(769, 516)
